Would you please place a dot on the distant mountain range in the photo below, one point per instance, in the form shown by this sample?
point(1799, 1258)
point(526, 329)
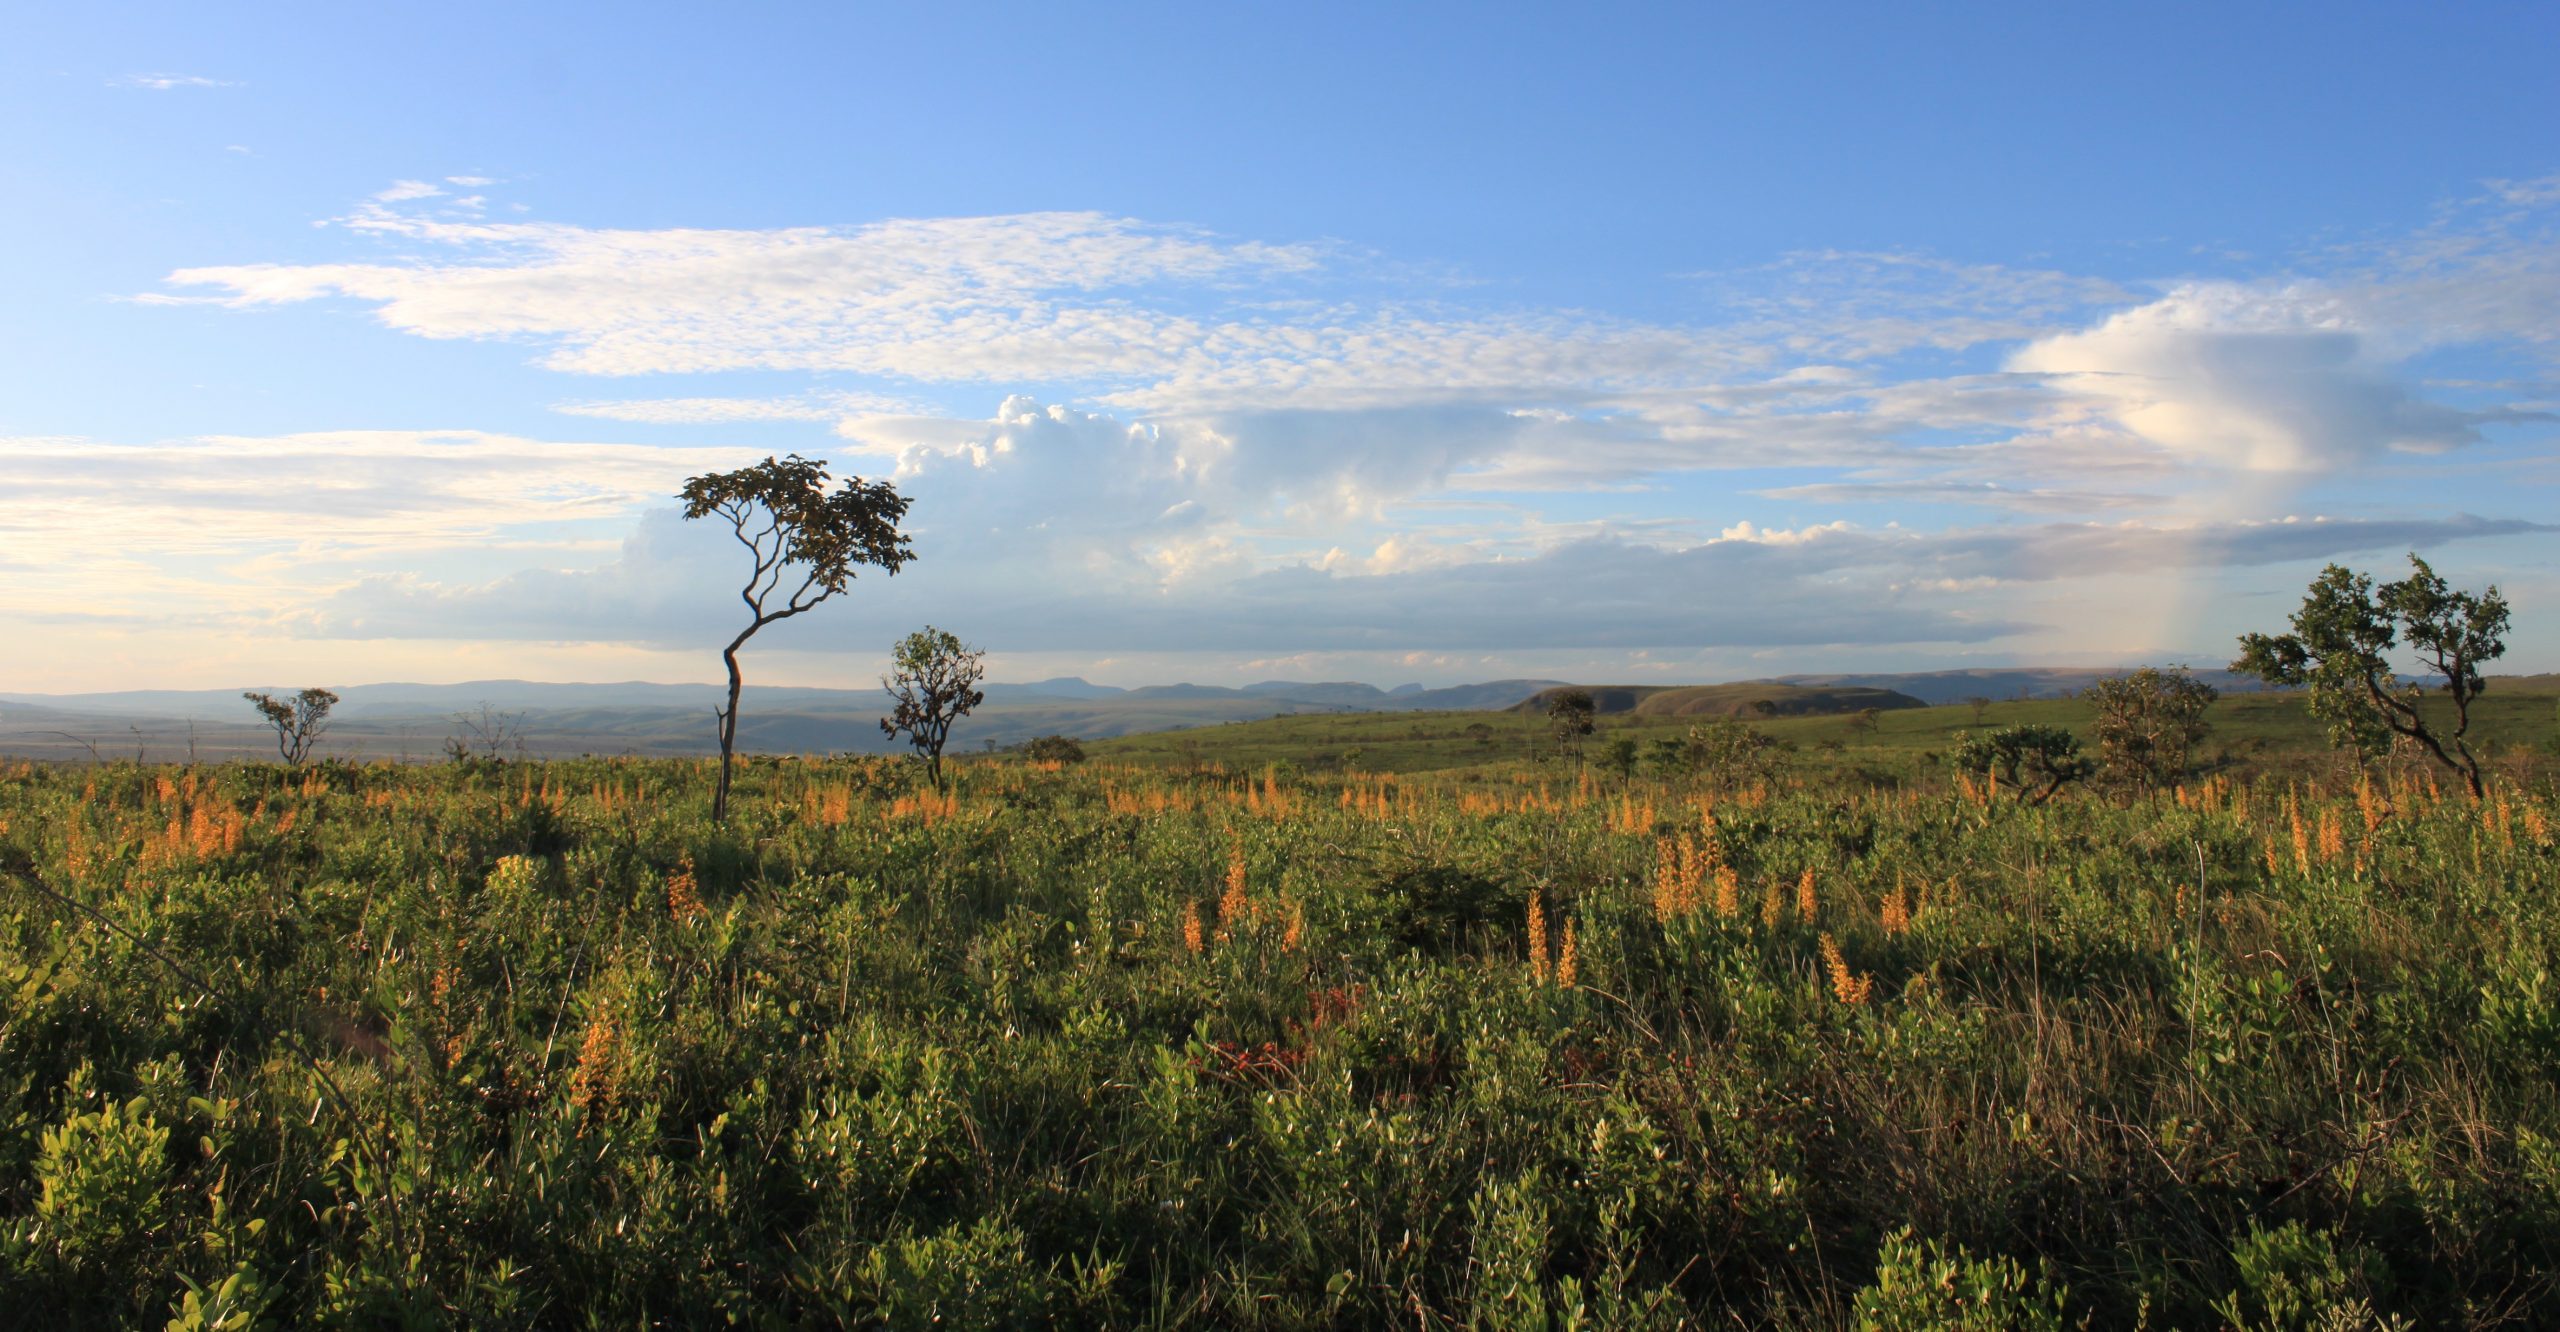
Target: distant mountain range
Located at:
point(414, 720)
point(1754, 698)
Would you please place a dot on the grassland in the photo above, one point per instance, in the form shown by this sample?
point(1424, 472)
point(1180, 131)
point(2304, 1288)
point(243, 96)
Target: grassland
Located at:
point(1172, 1039)
point(2253, 732)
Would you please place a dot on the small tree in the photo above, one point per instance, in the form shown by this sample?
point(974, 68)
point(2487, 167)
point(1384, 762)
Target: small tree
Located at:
point(1620, 756)
point(2032, 761)
point(1729, 752)
point(2339, 648)
point(2149, 723)
point(1980, 705)
point(487, 736)
point(1863, 721)
point(795, 527)
point(934, 679)
point(299, 721)
point(1571, 711)
point(1059, 749)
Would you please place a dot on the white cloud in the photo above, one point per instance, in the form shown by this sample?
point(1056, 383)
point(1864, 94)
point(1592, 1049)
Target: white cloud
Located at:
point(229, 523)
point(170, 82)
point(1263, 366)
point(951, 299)
point(828, 407)
point(1982, 494)
point(1825, 585)
point(403, 191)
point(2235, 377)
point(1237, 445)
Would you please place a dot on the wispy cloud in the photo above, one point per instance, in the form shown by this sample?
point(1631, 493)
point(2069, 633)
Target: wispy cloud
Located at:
point(827, 407)
point(1212, 442)
point(1823, 359)
point(231, 522)
point(169, 82)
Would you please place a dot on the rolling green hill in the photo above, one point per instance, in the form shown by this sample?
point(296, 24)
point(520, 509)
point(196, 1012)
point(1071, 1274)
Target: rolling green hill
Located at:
point(2515, 718)
point(1748, 699)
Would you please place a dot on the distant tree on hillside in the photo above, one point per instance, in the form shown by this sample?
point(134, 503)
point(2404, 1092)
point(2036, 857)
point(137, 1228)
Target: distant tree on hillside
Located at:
point(2149, 723)
point(1980, 705)
point(2340, 648)
point(1863, 721)
point(1058, 749)
point(486, 736)
point(1729, 752)
point(1571, 711)
point(796, 528)
point(299, 720)
point(933, 679)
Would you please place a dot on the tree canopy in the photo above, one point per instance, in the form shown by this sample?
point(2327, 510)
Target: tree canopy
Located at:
point(804, 536)
point(2340, 650)
point(933, 680)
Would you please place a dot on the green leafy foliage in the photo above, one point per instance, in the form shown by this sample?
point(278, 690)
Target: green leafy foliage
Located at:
point(1110, 1047)
point(2149, 723)
point(2340, 650)
point(1570, 713)
point(1925, 1285)
point(299, 721)
point(805, 539)
point(932, 682)
point(1061, 749)
point(2031, 762)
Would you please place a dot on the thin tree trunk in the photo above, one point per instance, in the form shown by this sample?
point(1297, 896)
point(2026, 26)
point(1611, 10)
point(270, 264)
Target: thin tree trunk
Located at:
point(728, 732)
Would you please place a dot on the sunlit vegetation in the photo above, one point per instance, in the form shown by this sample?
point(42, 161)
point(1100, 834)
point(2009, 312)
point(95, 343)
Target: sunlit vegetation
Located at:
point(498, 1044)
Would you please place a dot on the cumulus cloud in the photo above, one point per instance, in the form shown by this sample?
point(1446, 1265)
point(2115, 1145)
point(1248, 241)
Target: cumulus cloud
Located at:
point(1296, 369)
point(2233, 377)
point(1210, 443)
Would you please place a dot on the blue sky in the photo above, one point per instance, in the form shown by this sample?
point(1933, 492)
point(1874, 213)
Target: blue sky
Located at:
point(1230, 342)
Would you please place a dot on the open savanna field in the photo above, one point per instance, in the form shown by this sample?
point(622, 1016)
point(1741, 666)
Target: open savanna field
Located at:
point(2519, 716)
point(1237, 1027)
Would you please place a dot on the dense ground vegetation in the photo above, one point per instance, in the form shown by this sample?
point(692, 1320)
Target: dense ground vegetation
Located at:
point(538, 1045)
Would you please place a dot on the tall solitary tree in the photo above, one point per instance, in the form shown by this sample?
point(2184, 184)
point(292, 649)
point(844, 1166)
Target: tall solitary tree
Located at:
point(2340, 644)
point(298, 720)
point(934, 679)
point(1570, 711)
point(803, 536)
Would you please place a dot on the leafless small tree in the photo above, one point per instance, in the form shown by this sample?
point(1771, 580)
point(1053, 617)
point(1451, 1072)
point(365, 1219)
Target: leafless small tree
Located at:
point(86, 744)
point(299, 720)
point(488, 735)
